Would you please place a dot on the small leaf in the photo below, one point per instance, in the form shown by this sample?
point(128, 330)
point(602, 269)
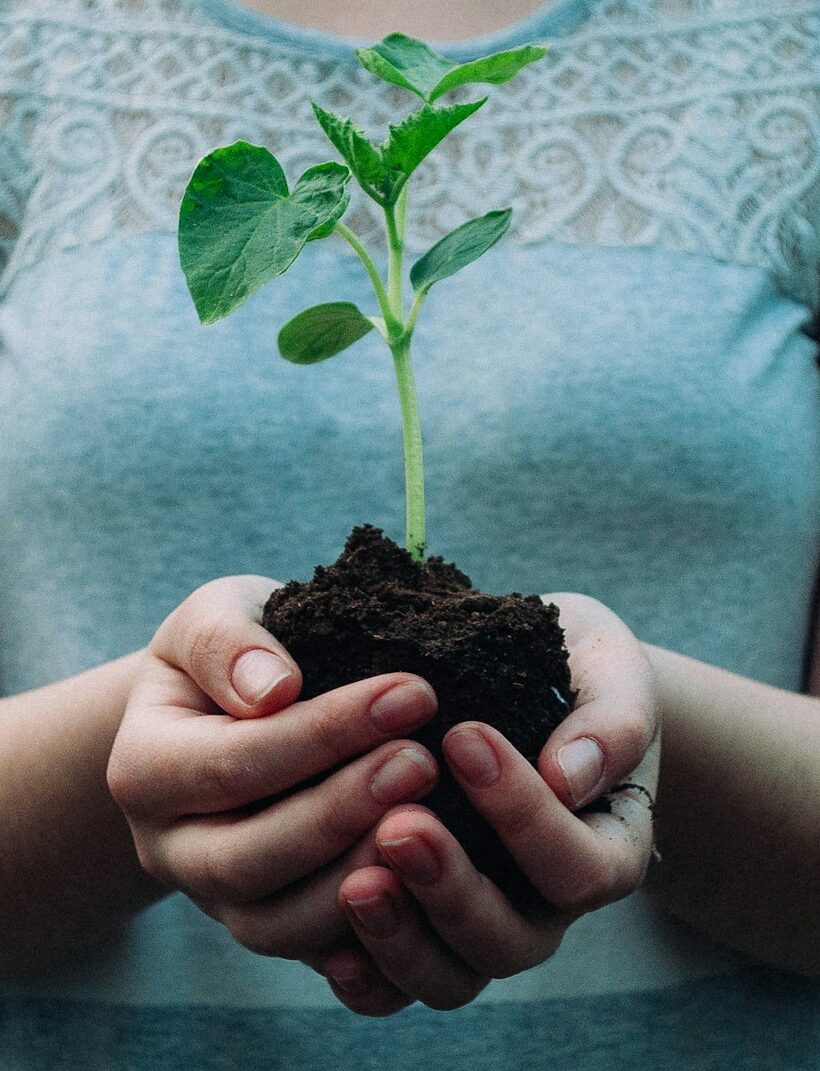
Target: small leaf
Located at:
point(239, 227)
point(363, 157)
point(413, 65)
point(406, 62)
point(459, 248)
point(495, 69)
point(322, 331)
point(319, 188)
point(418, 134)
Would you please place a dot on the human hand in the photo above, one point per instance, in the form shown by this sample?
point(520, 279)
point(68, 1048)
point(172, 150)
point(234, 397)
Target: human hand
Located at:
point(211, 761)
point(430, 927)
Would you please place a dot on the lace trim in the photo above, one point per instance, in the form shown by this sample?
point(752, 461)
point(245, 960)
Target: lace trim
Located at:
point(688, 124)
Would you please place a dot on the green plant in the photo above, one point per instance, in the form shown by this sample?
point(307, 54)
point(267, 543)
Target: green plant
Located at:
point(240, 226)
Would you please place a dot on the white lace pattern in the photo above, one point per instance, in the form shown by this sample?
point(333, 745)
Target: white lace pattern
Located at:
point(693, 125)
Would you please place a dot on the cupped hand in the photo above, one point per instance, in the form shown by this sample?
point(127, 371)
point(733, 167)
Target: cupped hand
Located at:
point(216, 766)
point(433, 929)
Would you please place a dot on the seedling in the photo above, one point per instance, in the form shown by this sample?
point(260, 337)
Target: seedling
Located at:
point(240, 226)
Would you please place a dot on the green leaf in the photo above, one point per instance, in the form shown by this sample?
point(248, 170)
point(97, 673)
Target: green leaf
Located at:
point(418, 134)
point(459, 248)
point(405, 62)
point(413, 65)
point(495, 69)
point(322, 191)
point(322, 331)
point(363, 157)
point(239, 227)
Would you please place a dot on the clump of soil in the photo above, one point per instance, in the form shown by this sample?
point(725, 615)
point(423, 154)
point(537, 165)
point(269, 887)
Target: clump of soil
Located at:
point(498, 659)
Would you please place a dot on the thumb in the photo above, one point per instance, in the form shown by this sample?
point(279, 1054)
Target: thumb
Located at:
point(216, 638)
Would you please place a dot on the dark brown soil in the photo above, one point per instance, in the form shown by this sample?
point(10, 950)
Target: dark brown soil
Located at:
point(498, 659)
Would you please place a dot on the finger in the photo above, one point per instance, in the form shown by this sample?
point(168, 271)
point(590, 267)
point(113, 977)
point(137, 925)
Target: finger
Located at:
point(573, 865)
point(359, 984)
point(629, 820)
point(306, 922)
point(216, 637)
point(240, 857)
point(467, 911)
point(609, 730)
point(304, 919)
point(614, 720)
point(170, 760)
point(403, 946)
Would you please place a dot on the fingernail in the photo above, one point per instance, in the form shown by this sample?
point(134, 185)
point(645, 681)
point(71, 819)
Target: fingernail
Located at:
point(403, 706)
point(376, 915)
point(405, 774)
point(473, 758)
point(256, 673)
point(582, 763)
point(413, 858)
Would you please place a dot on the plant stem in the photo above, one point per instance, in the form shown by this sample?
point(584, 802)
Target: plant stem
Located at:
point(415, 308)
point(391, 302)
point(401, 211)
point(375, 278)
point(413, 458)
point(395, 245)
point(415, 541)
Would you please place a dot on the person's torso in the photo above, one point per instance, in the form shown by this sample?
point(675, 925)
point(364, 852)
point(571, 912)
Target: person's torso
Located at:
point(618, 399)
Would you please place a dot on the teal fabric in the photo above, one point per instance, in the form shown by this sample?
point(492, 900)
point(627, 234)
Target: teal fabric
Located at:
point(668, 466)
point(621, 400)
point(617, 1033)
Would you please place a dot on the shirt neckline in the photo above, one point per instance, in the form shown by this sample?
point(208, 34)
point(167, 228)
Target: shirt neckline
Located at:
point(549, 19)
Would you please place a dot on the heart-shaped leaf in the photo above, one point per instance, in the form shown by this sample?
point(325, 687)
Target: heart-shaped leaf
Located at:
point(459, 248)
point(322, 331)
point(239, 227)
point(413, 65)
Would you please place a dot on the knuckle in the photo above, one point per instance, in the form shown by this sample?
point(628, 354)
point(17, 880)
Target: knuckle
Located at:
point(339, 824)
point(224, 768)
point(587, 889)
point(634, 735)
point(123, 781)
point(220, 875)
point(207, 643)
point(517, 816)
point(180, 620)
point(329, 730)
point(131, 775)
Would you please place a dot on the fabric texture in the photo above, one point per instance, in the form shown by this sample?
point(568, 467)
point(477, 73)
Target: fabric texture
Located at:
point(619, 399)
